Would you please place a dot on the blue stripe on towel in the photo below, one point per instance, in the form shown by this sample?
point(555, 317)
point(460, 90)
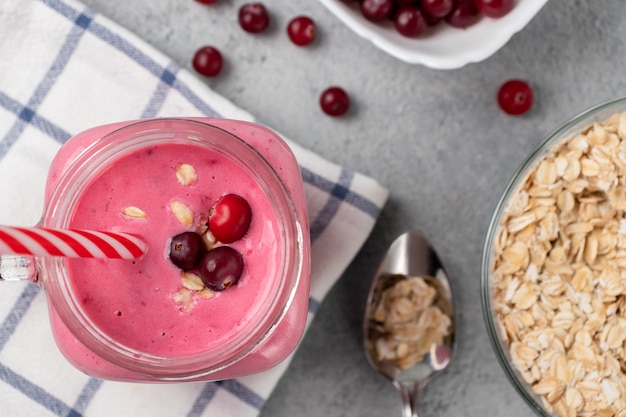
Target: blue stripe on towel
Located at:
point(84, 398)
point(45, 126)
point(313, 305)
point(337, 194)
point(18, 310)
point(242, 392)
point(233, 387)
point(167, 78)
point(349, 196)
point(140, 58)
point(203, 400)
point(45, 399)
point(27, 112)
point(35, 392)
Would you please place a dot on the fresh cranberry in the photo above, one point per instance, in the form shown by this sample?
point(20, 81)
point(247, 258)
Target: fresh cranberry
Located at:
point(409, 21)
point(230, 218)
point(463, 15)
point(431, 20)
point(221, 268)
point(208, 61)
point(515, 97)
point(437, 8)
point(334, 101)
point(301, 30)
point(253, 17)
point(186, 250)
point(406, 2)
point(494, 8)
point(376, 10)
point(207, 1)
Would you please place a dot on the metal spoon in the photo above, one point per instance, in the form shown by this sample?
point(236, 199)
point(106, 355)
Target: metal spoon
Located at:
point(410, 255)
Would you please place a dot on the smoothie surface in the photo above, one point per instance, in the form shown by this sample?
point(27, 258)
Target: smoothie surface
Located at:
point(139, 303)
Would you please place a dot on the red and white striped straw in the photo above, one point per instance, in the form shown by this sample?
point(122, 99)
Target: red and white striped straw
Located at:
point(38, 241)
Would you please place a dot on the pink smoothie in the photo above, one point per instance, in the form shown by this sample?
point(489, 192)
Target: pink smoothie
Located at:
point(143, 304)
point(135, 302)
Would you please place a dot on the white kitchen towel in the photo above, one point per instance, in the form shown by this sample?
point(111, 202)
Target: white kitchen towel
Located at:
point(63, 69)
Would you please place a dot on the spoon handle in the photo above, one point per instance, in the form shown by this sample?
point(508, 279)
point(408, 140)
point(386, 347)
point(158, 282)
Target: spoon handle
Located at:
point(409, 391)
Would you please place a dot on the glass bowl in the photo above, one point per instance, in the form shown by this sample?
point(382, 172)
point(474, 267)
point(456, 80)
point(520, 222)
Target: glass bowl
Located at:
point(444, 47)
point(498, 328)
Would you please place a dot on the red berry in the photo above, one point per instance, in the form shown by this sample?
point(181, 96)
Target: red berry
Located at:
point(186, 250)
point(431, 20)
point(515, 97)
point(437, 8)
point(207, 1)
point(463, 15)
point(334, 101)
point(494, 8)
point(376, 10)
point(409, 21)
point(301, 30)
point(221, 268)
point(253, 17)
point(208, 61)
point(230, 218)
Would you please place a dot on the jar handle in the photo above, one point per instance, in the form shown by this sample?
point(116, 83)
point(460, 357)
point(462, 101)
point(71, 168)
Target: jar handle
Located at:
point(18, 268)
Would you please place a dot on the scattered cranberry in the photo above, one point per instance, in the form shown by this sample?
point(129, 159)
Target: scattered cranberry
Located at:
point(494, 8)
point(334, 101)
point(437, 8)
point(207, 1)
point(463, 15)
point(515, 97)
point(376, 10)
point(208, 61)
point(221, 268)
point(253, 17)
point(409, 21)
point(186, 250)
point(230, 218)
point(301, 30)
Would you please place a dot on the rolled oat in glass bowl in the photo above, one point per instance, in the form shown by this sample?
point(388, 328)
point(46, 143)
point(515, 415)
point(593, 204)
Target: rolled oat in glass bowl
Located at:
point(554, 270)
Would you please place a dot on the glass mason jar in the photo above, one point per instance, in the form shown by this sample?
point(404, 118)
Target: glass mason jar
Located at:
point(262, 337)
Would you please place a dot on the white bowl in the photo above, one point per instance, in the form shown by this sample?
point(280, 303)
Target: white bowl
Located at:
point(444, 46)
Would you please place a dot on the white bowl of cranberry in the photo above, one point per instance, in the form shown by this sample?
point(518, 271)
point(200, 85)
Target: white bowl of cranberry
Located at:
point(441, 34)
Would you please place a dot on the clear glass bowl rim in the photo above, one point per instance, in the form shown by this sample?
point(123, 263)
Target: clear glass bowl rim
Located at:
point(598, 113)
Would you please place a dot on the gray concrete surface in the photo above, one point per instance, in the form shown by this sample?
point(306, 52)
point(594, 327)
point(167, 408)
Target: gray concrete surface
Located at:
point(435, 138)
